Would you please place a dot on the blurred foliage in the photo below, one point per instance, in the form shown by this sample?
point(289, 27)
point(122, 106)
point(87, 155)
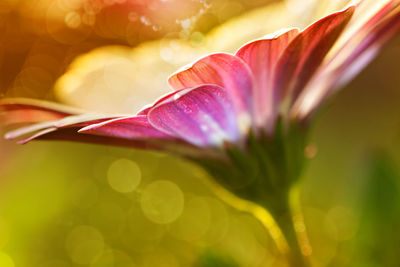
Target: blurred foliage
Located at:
point(211, 259)
point(380, 213)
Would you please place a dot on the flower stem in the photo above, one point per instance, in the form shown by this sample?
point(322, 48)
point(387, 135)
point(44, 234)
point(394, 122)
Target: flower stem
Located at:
point(283, 221)
point(288, 217)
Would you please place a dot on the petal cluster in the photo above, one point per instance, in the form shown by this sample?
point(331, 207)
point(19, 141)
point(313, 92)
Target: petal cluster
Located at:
point(220, 98)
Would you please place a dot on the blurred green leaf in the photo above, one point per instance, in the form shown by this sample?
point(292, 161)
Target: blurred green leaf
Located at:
point(378, 240)
point(210, 258)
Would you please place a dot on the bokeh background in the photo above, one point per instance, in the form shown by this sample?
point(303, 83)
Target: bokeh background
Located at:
point(69, 204)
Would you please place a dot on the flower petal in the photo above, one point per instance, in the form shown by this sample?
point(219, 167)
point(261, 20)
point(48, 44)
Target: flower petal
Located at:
point(145, 110)
point(361, 52)
point(354, 54)
point(76, 121)
point(44, 117)
point(224, 70)
point(262, 56)
point(28, 103)
point(49, 115)
point(71, 134)
point(203, 116)
point(68, 129)
point(306, 52)
point(137, 127)
point(22, 110)
point(133, 132)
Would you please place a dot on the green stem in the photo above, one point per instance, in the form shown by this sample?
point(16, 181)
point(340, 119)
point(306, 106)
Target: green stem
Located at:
point(276, 215)
point(288, 217)
point(295, 255)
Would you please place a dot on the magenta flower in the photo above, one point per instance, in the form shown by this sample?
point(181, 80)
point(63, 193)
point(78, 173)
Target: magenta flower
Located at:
point(244, 117)
point(221, 97)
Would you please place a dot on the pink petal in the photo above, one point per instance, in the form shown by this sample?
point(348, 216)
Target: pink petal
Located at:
point(57, 122)
point(203, 116)
point(145, 110)
point(370, 45)
point(27, 116)
point(51, 117)
point(173, 146)
point(71, 134)
point(21, 110)
point(365, 43)
point(39, 129)
point(137, 127)
point(262, 56)
point(69, 128)
point(37, 135)
point(57, 110)
point(348, 61)
point(224, 70)
point(306, 52)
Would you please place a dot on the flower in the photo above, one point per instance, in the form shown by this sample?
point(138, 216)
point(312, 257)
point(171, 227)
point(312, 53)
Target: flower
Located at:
point(266, 93)
point(219, 98)
point(244, 117)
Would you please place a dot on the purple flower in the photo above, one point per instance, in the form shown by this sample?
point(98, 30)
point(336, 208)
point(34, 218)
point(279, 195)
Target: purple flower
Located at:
point(221, 98)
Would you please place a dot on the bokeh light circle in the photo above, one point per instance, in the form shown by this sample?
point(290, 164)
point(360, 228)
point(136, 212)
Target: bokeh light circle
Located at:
point(341, 223)
point(113, 258)
point(194, 222)
point(162, 202)
point(164, 258)
point(84, 244)
point(124, 175)
point(141, 235)
point(84, 193)
point(108, 217)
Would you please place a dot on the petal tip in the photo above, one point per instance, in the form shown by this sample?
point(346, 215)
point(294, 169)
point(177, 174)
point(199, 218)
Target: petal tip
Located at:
point(9, 136)
point(86, 129)
point(23, 142)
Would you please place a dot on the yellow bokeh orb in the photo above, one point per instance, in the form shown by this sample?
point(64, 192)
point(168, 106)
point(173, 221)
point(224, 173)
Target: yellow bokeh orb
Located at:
point(163, 258)
point(124, 175)
point(141, 235)
point(113, 258)
point(84, 244)
point(162, 202)
point(194, 222)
